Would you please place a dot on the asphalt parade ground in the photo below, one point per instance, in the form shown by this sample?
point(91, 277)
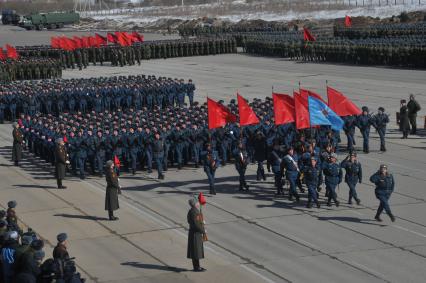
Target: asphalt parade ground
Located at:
point(253, 236)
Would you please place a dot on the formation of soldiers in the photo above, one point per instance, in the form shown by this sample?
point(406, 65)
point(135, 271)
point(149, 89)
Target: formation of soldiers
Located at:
point(196, 28)
point(95, 94)
point(34, 68)
point(406, 51)
point(130, 55)
point(381, 30)
point(177, 135)
point(22, 254)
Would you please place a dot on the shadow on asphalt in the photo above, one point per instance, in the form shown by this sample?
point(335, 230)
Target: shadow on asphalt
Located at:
point(154, 266)
point(349, 219)
point(84, 217)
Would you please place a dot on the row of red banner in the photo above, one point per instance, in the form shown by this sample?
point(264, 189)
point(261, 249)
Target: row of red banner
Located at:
point(287, 109)
point(120, 38)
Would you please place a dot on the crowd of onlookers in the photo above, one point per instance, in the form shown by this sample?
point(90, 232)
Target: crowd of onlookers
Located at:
point(22, 254)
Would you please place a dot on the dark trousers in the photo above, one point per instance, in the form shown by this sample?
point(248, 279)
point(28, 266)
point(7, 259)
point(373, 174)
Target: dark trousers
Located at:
point(210, 176)
point(312, 193)
point(352, 191)
point(382, 133)
point(331, 188)
point(413, 122)
point(365, 136)
point(110, 213)
point(384, 204)
point(242, 177)
point(196, 264)
point(59, 182)
point(260, 173)
point(292, 180)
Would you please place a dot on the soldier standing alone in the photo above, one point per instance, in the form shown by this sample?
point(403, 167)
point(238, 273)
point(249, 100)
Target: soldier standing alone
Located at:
point(404, 123)
point(413, 107)
point(18, 140)
point(195, 235)
point(61, 161)
point(112, 191)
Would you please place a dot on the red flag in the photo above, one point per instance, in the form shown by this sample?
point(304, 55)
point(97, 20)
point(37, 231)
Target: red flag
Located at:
point(202, 199)
point(78, 42)
point(100, 39)
point(137, 36)
point(55, 42)
point(283, 108)
point(2, 55)
point(112, 38)
point(65, 139)
point(128, 38)
point(116, 161)
point(11, 52)
point(307, 36)
point(302, 112)
point(218, 115)
point(120, 39)
point(348, 21)
point(340, 104)
point(85, 42)
point(66, 43)
point(93, 42)
point(305, 93)
point(247, 115)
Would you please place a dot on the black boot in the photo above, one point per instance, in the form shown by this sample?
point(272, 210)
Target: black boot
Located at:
point(377, 217)
point(392, 217)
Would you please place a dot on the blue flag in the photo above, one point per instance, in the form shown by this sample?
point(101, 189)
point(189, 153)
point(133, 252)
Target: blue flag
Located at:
point(321, 114)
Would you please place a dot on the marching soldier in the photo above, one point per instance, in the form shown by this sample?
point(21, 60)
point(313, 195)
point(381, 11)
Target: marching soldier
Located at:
point(353, 175)
point(292, 172)
point(61, 161)
point(385, 185)
point(112, 191)
point(364, 122)
point(196, 234)
point(211, 163)
point(333, 177)
point(313, 179)
point(18, 140)
point(241, 162)
point(379, 122)
point(158, 154)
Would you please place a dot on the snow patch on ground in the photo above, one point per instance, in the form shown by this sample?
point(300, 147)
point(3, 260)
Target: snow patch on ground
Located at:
point(380, 12)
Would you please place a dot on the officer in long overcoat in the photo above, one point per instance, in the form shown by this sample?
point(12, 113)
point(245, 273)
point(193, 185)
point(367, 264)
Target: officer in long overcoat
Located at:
point(112, 190)
point(18, 139)
point(195, 235)
point(404, 121)
point(61, 161)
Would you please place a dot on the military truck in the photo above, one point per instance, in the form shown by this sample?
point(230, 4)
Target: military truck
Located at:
point(10, 17)
point(53, 20)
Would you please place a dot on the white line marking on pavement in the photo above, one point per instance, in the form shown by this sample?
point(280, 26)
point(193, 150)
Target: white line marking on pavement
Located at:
point(411, 231)
point(378, 274)
point(256, 273)
point(356, 212)
point(177, 231)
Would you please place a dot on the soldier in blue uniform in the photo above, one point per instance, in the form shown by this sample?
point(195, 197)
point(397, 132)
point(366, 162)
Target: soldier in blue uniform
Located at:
point(190, 88)
point(312, 175)
point(158, 153)
point(333, 177)
point(100, 147)
point(379, 122)
point(291, 161)
point(211, 163)
point(132, 143)
point(385, 186)
point(241, 162)
point(91, 150)
point(364, 122)
point(349, 128)
point(81, 146)
point(353, 175)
